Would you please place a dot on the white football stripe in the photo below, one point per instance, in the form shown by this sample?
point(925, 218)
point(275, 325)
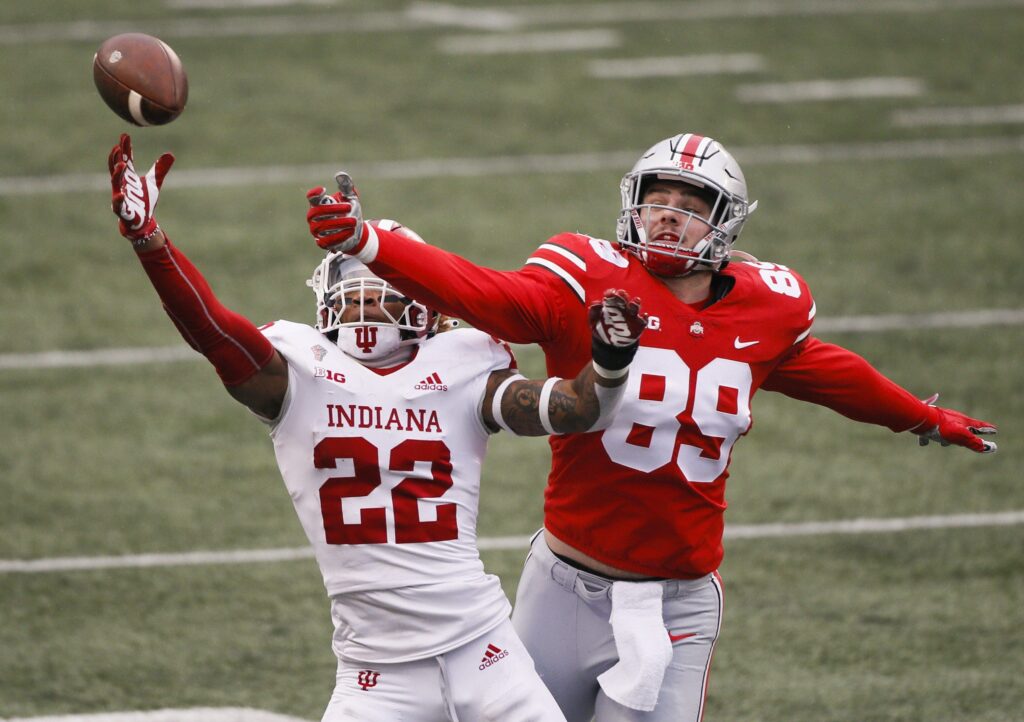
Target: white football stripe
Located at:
point(542, 15)
point(671, 67)
point(907, 321)
point(135, 108)
point(507, 543)
point(444, 15)
point(98, 357)
point(836, 324)
point(567, 255)
point(980, 115)
point(541, 42)
point(813, 90)
point(432, 168)
point(229, 4)
point(561, 273)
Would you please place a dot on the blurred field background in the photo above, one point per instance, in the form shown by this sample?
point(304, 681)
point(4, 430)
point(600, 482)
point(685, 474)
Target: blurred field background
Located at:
point(903, 199)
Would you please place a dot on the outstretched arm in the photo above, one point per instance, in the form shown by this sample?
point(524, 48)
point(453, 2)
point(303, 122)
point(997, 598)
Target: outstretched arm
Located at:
point(585, 403)
point(516, 306)
point(251, 369)
point(835, 377)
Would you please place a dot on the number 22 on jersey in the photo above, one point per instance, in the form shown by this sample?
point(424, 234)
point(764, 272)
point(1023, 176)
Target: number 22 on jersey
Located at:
point(645, 433)
point(373, 525)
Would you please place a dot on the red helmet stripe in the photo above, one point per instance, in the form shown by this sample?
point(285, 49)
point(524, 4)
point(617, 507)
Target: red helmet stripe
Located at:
point(692, 144)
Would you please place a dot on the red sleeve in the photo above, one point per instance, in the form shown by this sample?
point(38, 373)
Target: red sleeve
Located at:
point(833, 376)
point(231, 342)
point(517, 306)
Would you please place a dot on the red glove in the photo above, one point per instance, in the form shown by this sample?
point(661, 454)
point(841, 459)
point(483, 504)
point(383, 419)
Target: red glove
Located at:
point(133, 199)
point(336, 221)
point(951, 427)
point(616, 323)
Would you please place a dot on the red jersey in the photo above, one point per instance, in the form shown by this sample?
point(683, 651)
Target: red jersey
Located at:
point(648, 493)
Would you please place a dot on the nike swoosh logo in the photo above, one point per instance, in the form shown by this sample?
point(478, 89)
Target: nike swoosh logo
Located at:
point(743, 344)
point(679, 637)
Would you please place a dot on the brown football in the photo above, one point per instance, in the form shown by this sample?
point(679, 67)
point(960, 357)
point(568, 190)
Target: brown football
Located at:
point(140, 78)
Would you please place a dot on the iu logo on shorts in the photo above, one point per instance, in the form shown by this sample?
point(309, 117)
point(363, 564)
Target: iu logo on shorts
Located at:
point(366, 338)
point(368, 678)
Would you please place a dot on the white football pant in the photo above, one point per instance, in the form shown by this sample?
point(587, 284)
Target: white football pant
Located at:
point(562, 615)
point(491, 679)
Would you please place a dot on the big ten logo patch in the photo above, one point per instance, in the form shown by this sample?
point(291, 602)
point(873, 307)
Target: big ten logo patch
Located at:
point(368, 679)
point(322, 373)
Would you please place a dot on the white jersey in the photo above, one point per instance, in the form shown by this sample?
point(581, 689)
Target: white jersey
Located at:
point(384, 471)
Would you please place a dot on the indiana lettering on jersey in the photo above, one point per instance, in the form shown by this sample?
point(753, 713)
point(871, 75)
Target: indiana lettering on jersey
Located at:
point(357, 416)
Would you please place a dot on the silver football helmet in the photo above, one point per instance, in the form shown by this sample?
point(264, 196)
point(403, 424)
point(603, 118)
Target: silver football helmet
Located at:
point(376, 332)
point(704, 164)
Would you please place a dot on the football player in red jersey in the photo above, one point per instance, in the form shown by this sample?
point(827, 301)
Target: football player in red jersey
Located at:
point(620, 601)
point(379, 428)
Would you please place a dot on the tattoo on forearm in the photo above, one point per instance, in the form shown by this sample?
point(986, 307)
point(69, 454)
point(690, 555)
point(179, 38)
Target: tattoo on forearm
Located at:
point(519, 407)
point(572, 405)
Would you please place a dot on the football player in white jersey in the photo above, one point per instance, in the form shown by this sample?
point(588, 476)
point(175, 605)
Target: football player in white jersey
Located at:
point(379, 427)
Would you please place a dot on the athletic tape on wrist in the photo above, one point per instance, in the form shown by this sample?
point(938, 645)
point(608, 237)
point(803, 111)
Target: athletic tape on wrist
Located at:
point(496, 401)
point(545, 398)
point(609, 399)
point(609, 374)
point(368, 253)
point(612, 357)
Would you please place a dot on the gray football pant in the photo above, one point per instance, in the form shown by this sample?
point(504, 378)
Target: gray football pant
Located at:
point(561, 614)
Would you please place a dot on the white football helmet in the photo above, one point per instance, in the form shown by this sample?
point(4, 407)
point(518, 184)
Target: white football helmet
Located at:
point(703, 163)
point(376, 333)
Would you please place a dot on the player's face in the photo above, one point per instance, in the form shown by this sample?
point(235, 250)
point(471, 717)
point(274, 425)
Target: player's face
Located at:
point(667, 223)
point(368, 305)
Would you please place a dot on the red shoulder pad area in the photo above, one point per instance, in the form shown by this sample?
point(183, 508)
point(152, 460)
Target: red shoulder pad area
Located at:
point(578, 259)
point(777, 292)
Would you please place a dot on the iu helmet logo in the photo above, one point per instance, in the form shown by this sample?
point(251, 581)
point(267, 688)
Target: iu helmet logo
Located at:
point(368, 678)
point(366, 338)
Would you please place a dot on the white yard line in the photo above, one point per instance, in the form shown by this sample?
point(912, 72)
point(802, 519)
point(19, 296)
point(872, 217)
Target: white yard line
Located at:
point(433, 168)
point(823, 90)
point(425, 16)
point(978, 115)
point(640, 11)
point(911, 321)
point(541, 42)
point(241, 4)
point(454, 16)
point(97, 357)
point(732, 531)
point(671, 67)
point(838, 324)
point(249, 26)
point(195, 714)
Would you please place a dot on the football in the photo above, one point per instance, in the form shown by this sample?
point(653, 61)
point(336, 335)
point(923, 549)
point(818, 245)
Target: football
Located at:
point(141, 78)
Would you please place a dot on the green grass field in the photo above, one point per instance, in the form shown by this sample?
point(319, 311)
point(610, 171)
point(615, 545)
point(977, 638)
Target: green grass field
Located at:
point(156, 458)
